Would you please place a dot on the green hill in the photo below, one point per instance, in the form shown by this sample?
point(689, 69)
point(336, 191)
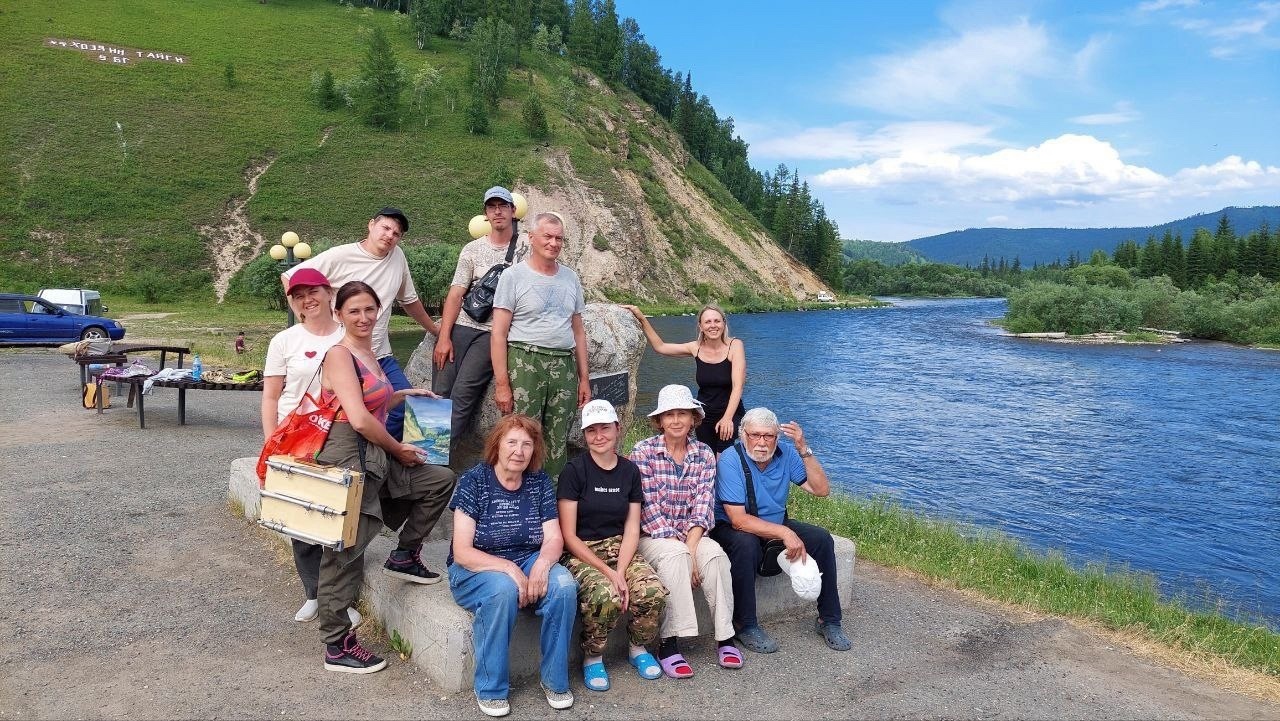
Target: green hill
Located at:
point(1046, 245)
point(887, 253)
point(124, 176)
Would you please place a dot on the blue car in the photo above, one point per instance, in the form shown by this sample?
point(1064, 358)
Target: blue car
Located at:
point(30, 320)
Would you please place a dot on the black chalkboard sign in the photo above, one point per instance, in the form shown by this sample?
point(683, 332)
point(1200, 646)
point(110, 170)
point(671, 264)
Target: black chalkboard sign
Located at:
point(614, 388)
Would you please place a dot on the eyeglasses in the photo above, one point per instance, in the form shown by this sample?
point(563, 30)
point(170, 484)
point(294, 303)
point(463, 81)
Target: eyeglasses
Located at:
point(767, 437)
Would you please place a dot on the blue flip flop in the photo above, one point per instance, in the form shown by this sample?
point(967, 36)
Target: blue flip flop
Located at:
point(647, 666)
point(594, 677)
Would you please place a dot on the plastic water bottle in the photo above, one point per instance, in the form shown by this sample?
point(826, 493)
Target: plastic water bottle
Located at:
point(197, 368)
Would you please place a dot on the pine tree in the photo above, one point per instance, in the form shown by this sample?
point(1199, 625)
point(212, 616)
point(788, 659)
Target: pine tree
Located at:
point(1199, 258)
point(1224, 247)
point(1149, 262)
point(582, 34)
point(608, 42)
point(378, 97)
point(1172, 261)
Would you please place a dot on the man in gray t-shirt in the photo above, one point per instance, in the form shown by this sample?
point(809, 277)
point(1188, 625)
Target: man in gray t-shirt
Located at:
point(463, 368)
point(539, 345)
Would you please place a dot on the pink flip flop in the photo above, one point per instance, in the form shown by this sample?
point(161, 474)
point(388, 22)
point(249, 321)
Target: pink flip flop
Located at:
point(730, 657)
point(675, 666)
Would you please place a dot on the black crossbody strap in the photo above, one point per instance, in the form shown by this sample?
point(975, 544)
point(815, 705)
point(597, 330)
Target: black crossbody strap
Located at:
point(752, 508)
point(515, 235)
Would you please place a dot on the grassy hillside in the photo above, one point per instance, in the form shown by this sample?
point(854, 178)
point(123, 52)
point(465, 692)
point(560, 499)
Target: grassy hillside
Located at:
point(111, 171)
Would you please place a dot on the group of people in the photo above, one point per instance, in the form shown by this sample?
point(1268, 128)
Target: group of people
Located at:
point(694, 506)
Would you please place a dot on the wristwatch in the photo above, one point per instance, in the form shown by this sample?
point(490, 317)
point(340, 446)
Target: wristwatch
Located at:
point(806, 453)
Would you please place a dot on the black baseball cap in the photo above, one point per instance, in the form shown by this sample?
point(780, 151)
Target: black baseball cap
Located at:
point(396, 213)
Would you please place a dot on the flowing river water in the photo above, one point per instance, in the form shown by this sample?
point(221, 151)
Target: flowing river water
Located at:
point(1162, 458)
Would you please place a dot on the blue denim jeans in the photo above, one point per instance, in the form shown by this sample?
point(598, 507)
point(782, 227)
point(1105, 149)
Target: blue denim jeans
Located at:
point(399, 381)
point(494, 600)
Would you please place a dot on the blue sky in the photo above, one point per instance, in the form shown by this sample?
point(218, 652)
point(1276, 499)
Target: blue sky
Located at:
point(915, 118)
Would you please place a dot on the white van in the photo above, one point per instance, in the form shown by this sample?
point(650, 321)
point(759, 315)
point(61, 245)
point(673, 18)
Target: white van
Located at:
point(825, 297)
point(75, 300)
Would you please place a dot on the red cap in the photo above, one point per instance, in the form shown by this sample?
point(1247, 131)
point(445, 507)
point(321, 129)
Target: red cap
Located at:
point(307, 276)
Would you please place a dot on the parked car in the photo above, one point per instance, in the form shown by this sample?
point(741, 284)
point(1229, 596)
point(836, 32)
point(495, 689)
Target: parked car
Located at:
point(825, 297)
point(31, 319)
point(75, 300)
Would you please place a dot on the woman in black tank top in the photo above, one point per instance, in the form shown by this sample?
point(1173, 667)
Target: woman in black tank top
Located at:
point(721, 372)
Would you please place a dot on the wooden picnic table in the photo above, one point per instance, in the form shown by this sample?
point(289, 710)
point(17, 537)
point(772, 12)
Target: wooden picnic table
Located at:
point(118, 356)
point(183, 385)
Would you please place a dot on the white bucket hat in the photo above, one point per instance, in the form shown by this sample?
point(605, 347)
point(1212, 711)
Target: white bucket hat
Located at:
point(598, 411)
point(675, 397)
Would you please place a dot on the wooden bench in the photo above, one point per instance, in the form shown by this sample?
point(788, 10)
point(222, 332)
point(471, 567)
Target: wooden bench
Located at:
point(183, 385)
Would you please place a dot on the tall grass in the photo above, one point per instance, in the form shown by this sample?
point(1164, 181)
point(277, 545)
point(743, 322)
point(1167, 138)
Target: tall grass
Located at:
point(1003, 568)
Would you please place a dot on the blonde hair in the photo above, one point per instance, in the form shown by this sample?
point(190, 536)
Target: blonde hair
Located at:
point(728, 339)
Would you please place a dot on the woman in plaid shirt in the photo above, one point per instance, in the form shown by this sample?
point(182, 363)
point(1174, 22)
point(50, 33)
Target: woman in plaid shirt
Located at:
point(678, 475)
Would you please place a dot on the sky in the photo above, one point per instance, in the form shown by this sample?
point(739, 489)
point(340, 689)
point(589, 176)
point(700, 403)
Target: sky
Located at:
point(913, 118)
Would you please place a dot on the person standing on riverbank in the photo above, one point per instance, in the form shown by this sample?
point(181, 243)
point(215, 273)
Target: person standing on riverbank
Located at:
point(379, 261)
point(721, 372)
point(539, 345)
point(753, 481)
point(463, 367)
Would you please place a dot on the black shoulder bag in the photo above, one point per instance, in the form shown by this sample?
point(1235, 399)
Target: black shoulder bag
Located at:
point(478, 302)
point(770, 548)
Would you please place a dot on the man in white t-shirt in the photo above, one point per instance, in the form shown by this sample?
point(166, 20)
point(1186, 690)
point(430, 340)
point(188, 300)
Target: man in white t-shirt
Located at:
point(462, 363)
point(378, 261)
point(539, 346)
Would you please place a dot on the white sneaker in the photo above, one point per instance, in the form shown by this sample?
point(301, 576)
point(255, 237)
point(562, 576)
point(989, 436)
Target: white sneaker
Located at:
point(356, 618)
point(308, 612)
point(557, 700)
point(493, 707)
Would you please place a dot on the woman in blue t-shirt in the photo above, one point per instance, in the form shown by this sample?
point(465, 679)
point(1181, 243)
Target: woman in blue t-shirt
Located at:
point(600, 499)
point(506, 541)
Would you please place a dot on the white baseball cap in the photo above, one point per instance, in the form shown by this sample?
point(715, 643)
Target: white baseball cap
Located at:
point(598, 411)
point(677, 396)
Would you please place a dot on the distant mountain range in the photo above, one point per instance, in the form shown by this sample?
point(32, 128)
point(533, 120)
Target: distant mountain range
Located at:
point(1045, 245)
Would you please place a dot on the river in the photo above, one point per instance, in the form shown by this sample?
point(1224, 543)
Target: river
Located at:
point(1162, 458)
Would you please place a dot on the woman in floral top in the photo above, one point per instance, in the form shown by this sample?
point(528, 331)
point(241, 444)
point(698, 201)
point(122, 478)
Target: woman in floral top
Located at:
point(678, 475)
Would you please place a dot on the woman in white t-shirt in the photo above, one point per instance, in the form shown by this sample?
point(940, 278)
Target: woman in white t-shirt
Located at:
point(293, 357)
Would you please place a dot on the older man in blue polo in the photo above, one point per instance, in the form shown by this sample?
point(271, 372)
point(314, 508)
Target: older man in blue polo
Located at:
point(753, 479)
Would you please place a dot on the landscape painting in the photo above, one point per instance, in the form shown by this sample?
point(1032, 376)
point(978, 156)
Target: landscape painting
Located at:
point(426, 425)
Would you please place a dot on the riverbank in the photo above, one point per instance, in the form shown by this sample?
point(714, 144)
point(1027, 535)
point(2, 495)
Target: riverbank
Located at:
point(1242, 655)
point(134, 592)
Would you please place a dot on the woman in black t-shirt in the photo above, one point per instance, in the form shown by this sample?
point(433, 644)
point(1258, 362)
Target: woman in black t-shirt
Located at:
point(599, 497)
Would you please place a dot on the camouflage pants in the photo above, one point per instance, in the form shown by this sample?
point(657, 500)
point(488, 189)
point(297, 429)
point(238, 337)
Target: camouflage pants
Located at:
point(544, 382)
point(598, 601)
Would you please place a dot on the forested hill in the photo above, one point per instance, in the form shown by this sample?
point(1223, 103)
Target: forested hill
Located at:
point(1046, 245)
point(158, 148)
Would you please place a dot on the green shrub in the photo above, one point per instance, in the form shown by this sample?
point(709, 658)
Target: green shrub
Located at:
point(535, 118)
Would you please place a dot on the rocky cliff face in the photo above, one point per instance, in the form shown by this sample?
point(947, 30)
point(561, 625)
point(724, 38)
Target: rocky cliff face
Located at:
point(621, 247)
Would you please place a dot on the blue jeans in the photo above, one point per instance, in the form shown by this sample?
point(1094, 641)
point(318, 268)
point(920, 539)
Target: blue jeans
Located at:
point(494, 600)
point(399, 381)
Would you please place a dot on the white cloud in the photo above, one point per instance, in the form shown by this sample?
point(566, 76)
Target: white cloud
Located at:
point(997, 219)
point(1265, 13)
point(1230, 173)
point(1123, 112)
point(845, 142)
point(1158, 5)
point(1067, 171)
point(987, 66)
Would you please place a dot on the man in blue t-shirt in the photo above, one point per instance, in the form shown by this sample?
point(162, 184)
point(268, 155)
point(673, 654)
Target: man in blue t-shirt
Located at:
point(745, 524)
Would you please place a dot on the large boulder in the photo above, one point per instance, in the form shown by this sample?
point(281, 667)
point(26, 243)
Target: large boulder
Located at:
point(615, 344)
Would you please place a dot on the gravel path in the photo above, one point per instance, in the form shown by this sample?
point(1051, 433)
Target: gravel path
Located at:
point(132, 591)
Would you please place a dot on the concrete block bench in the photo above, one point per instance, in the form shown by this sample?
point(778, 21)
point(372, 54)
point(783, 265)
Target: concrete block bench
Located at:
point(440, 632)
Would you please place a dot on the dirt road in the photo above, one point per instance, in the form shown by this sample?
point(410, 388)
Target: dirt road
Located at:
point(131, 591)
